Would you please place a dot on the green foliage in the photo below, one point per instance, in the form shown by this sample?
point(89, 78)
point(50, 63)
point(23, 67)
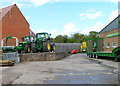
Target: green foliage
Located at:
point(74, 38)
point(93, 34)
point(52, 40)
point(61, 39)
point(119, 21)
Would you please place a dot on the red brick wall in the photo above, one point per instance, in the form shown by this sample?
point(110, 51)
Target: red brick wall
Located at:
point(110, 40)
point(14, 24)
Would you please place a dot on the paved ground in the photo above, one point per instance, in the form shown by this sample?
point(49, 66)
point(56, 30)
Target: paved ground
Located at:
point(74, 69)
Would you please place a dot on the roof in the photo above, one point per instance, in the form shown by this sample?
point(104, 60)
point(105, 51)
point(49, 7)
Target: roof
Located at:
point(111, 26)
point(5, 10)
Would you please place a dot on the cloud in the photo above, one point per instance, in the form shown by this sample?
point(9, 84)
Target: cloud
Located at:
point(53, 32)
point(42, 2)
point(97, 27)
point(113, 15)
point(18, 4)
point(27, 17)
point(82, 14)
point(91, 14)
point(70, 28)
point(115, 1)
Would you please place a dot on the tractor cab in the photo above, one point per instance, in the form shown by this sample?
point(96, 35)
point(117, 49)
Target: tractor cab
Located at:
point(42, 43)
point(43, 36)
point(28, 38)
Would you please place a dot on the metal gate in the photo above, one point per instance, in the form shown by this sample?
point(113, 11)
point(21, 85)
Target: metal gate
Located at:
point(67, 47)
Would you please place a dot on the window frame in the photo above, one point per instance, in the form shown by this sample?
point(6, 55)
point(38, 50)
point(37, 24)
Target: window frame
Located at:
point(114, 46)
point(107, 45)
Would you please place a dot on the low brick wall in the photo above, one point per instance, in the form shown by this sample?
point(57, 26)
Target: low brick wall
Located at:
point(47, 56)
point(0, 54)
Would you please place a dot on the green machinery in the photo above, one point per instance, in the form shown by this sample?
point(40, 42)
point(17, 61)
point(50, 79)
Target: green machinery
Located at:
point(25, 45)
point(42, 43)
point(95, 49)
point(83, 47)
point(30, 44)
point(6, 48)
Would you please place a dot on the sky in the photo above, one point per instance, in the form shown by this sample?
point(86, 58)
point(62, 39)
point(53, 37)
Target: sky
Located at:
point(66, 17)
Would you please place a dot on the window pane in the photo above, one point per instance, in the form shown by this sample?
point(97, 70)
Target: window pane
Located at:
point(114, 44)
point(108, 45)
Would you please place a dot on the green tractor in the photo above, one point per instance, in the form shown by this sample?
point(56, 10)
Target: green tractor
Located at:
point(25, 45)
point(42, 43)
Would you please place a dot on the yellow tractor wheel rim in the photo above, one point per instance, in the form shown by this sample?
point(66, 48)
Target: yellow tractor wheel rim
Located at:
point(28, 49)
point(54, 47)
point(48, 46)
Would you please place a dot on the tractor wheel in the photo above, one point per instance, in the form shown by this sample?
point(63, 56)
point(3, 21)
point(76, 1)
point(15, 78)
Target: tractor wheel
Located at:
point(33, 48)
point(53, 47)
point(46, 46)
point(19, 51)
point(27, 49)
point(91, 56)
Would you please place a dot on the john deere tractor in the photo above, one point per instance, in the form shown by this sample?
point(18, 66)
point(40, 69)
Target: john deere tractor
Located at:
point(42, 43)
point(25, 45)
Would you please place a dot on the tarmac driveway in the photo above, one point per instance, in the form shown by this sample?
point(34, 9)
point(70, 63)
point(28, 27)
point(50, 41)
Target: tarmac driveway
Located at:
point(74, 69)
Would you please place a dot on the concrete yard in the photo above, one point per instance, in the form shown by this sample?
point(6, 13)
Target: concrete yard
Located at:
point(74, 69)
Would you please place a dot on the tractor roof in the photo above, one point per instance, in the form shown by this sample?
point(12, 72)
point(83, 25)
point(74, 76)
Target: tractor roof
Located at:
point(43, 33)
point(28, 36)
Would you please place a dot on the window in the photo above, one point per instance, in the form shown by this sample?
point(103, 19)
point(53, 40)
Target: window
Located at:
point(114, 44)
point(108, 45)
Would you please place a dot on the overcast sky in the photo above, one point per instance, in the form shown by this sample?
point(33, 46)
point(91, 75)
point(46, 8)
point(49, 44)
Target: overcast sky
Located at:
point(66, 16)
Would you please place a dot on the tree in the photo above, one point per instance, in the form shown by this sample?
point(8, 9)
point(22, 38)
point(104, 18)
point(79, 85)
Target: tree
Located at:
point(52, 40)
point(72, 40)
point(65, 38)
point(75, 38)
point(79, 37)
point(61, 39)
point(93, 34)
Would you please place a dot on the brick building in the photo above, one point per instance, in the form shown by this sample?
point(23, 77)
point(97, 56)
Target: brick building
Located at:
point(13, 23)
point(111, 35)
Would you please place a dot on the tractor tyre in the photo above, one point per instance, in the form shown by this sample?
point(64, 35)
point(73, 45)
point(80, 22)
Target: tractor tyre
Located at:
point(19, 51)
point(27, 49)
point(53, 47)
point(33, 49)
point(46, 46)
